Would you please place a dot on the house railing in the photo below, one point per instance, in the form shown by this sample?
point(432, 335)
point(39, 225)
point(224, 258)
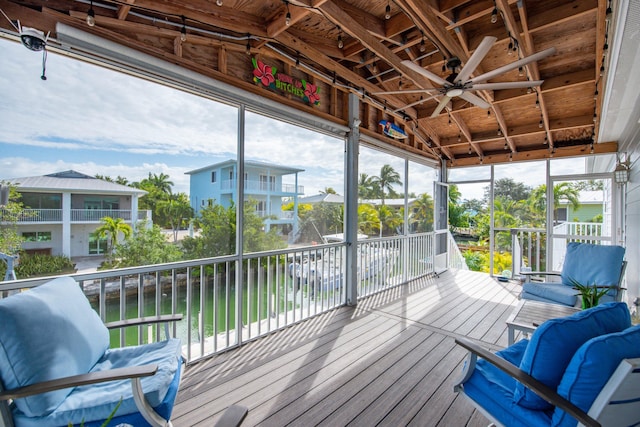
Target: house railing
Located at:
point(279, 288)
point(277, 214)
point(529, 246)
point(77, 215)
point(256, 186)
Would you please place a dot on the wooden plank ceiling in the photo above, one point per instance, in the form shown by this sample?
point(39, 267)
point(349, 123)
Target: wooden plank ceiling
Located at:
point(358, 46)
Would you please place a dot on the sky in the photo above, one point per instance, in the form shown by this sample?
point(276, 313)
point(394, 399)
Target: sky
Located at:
point(99, 121)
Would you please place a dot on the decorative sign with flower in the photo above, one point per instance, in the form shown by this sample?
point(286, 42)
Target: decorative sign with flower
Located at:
point(271, 78)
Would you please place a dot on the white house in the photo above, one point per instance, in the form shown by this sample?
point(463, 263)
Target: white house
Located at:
point(62, 210)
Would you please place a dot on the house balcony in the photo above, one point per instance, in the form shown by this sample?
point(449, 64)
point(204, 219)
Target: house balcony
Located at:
point(279, 215)
point(261, 187)
point(55, 216)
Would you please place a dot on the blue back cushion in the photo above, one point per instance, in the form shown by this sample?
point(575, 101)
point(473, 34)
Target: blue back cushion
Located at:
point(555, 342)
point(591, 367)
point(590, 264)
point(48, 332)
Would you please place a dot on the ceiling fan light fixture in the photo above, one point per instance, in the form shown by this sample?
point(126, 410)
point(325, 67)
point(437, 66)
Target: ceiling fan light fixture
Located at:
point(454, 91)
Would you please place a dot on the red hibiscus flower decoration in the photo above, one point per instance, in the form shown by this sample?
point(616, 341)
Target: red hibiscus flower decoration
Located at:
point(310, 91)
point(263, 73)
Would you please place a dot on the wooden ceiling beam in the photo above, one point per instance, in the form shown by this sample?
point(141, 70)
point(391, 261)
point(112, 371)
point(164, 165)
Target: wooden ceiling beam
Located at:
point(541, 154)
point(123, 9)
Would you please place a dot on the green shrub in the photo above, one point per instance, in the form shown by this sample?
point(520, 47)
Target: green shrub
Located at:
point(33, 265)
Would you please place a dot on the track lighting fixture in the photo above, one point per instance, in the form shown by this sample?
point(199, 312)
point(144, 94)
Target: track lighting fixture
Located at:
point(602, 70)
point(510, 47)
point(500, 134)
point(591, 150)
point(297, 61)
point(595, 117)
point(183, 30)
point(91, 16)
point(422, 44)
point(537, 103)
point(540, 124)
point(494, 15)
point(340, 42)
point(248, 47)
point(506, 146)
point(529, 90)
point(219, 2)
point(387, 11)
point(595, 94)
point(459, 137)
point(469, 148)
point(520, 71)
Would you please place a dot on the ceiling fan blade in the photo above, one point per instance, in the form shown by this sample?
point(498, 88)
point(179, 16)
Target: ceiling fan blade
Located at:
point(475, 59)
point(475, 99)
point(405, 91)
point(443, 103)
point(420, 101)
point(506, 85)
point(428, 74)
point(519, 63)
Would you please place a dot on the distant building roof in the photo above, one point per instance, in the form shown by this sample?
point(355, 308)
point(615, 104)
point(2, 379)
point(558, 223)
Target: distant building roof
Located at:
point(71, 181)
point(322, 197)
point(588, 197)
point(251, 163)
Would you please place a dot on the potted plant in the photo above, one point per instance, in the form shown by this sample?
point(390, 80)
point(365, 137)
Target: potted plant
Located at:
point(590, 294)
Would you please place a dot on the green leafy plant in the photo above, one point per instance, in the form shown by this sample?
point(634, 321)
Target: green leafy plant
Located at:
point(109, 418)
point(590, 294)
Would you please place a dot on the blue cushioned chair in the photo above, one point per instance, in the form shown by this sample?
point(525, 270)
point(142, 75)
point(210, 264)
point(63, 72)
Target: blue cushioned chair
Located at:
point(584, 368)
point(586, 264)
point(57, 368)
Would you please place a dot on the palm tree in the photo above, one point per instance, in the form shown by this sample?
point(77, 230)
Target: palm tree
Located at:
point(161, 182)
point(111, 228)
point(422, 213)
point(328, 190)
point(564, 191)
point(367, 187)
point(388, 177)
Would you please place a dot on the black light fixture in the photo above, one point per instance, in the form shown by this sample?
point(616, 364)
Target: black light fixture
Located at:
point(494, 15)
point(540, 124)
point(287, 18)
point(247, 48)
point(183, 31)
point(387, 11)
point(219, 2)
point(423, 47)
point(537, 102)
point(91, 15)
point(340, 42)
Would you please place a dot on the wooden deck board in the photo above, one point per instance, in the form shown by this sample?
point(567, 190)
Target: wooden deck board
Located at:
point(389, 361)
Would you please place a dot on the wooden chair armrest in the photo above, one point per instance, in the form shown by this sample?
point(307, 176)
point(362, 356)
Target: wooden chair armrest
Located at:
point(541, 389)
point(144, 321)
point(80, 380)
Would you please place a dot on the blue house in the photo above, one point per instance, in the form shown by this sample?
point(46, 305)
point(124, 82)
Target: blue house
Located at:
point(263, 183)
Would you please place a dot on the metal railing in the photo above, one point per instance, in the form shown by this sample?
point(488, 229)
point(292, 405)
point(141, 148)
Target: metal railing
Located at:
point(529, 246)
point(77, 215)
point(229, 300)
point(262, 187)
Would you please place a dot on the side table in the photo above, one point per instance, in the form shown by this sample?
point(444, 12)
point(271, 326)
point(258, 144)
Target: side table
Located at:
point(529, 314)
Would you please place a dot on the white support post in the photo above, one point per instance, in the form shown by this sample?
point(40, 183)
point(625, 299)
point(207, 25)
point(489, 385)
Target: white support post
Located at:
point(351, 201)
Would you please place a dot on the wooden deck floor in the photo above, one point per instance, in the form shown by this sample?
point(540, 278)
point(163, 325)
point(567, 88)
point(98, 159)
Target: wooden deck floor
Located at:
point(390, 361)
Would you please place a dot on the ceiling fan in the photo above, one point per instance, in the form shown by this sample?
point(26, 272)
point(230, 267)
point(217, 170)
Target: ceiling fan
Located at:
point(458, 84)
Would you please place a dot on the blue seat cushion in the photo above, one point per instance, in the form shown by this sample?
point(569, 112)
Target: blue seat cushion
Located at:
point(554, 343)
point(590, 264)
point(550, 292)
point(590, 369)
point(493, 390)
point(48, 332)
point(96, 402)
